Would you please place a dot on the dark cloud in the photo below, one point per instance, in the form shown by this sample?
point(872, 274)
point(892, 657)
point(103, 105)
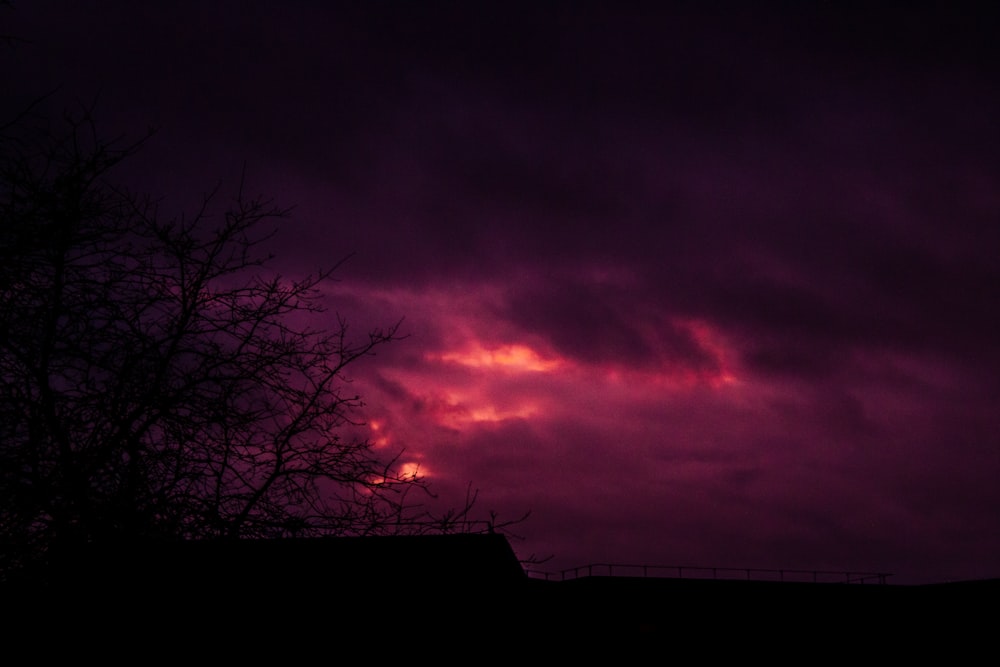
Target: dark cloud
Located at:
point(584, 322)
point(692, 281)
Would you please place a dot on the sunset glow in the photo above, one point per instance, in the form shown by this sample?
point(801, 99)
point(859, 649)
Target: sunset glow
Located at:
point(506, 357)
point(691, 285)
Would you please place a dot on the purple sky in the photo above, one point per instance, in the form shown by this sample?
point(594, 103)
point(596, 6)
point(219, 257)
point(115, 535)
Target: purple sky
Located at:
point(695, 282)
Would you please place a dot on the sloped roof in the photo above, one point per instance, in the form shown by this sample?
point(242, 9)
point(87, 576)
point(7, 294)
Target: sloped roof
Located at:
point(377, 562)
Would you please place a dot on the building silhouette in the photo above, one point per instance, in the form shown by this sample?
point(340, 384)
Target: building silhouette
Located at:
point(255, 597)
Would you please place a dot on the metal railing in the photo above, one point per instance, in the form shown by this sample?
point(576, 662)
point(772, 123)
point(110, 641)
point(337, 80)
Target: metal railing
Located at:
point(699, 572)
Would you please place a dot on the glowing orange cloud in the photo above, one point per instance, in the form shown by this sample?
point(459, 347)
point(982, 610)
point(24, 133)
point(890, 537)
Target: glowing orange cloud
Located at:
point(678, 373)
point(506, 357)
point(381, 438)
point(412, 470)
point(711, 341)
point(480, 406)
point(408, 470)
point(490, 413)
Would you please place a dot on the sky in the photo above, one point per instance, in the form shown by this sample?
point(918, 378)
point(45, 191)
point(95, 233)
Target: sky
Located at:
point(694, 283)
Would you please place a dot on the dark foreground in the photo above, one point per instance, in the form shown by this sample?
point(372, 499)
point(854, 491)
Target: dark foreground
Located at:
point(387, 600)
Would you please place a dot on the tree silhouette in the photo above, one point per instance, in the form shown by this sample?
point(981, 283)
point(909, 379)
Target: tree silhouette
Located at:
point(157, 380)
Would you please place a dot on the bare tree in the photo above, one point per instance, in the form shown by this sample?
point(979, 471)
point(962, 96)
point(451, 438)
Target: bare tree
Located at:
point(157, 380)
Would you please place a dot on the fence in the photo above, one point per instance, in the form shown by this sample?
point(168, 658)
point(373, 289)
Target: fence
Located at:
point(697, 572)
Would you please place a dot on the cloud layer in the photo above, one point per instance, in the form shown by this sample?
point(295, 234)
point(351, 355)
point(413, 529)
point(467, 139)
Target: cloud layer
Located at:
point(709, 286)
